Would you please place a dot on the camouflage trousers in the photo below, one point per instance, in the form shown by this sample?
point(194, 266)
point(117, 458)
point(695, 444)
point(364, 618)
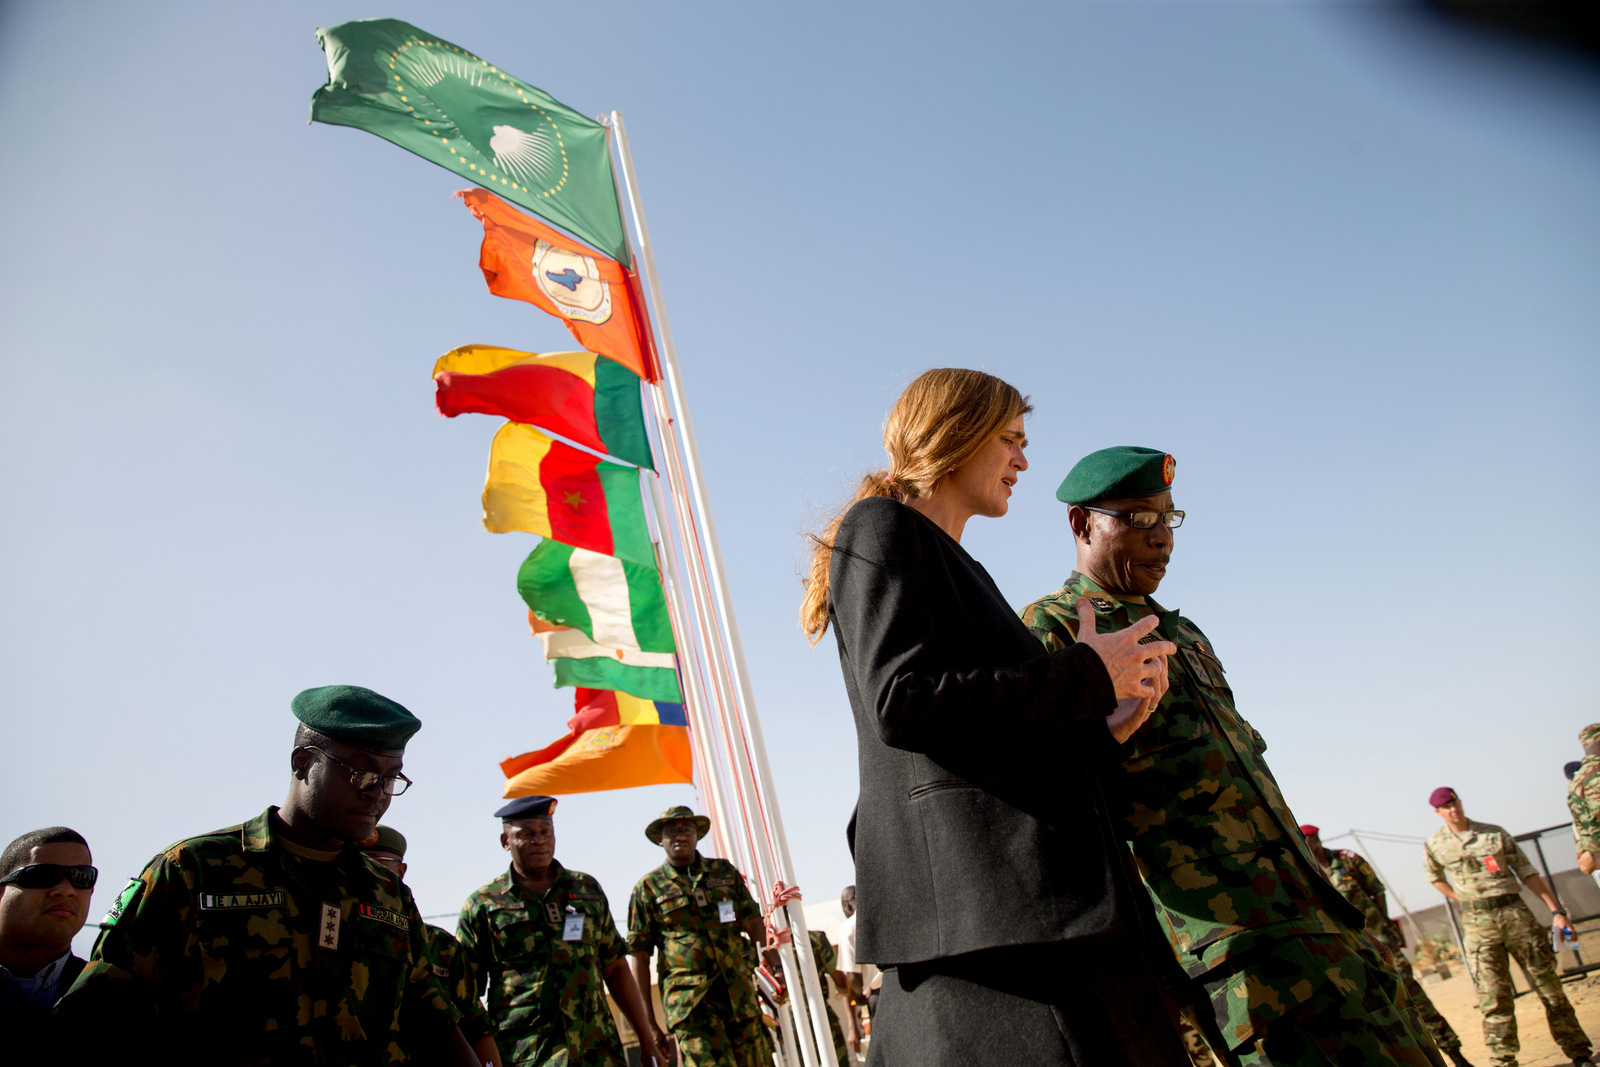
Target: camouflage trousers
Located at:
point(840, 1050)
point(712, 1037)
point(1437, 1026)
point(1493, 937)
point(1314, 1002)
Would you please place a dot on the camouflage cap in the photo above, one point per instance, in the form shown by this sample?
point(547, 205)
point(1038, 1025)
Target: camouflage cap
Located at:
point(1126, 470)
point(702, 824)
point(356, 715)
point(1589, 734)
point(386, 839)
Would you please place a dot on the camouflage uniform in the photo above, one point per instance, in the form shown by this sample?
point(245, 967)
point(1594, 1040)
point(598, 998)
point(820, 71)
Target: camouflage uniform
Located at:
point(547, 995)
point(1583, 798)
point(1358, 883)
point(1484, 865)
point(459, 980)
point(827, 958)
point(242, 947)
point(706, 964)
point(1247, 911)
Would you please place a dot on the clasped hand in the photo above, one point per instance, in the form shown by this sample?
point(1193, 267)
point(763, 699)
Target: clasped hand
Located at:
point(1138, 671)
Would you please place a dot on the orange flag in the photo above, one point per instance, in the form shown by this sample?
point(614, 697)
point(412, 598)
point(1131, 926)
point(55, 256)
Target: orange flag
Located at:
point(608, 757)
point(595, 296)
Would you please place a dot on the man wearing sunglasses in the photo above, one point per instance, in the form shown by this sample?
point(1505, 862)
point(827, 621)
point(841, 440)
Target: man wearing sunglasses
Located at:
point(1272, 966)
point(276, 941)
point(46, 882)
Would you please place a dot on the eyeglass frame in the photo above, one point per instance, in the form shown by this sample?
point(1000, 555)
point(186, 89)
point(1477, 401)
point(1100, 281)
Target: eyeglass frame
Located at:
point(1160, 516)
point(356, 774)
point(67, 870)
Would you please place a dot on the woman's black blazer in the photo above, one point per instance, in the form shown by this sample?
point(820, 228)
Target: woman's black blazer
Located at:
point(981, 821)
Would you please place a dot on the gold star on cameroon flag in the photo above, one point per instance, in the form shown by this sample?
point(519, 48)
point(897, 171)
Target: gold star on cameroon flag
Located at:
point(575, 500)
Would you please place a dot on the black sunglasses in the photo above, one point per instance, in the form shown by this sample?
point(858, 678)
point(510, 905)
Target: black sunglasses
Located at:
point(49, 875)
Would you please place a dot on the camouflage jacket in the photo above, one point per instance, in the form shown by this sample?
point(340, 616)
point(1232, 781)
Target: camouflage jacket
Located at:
point(1358, 883)
point(544, 971)
point(1583, 797)
point(459, 980)
point(1483, 862)
point(1212, 837)
point(242, 947)
point(680, 912)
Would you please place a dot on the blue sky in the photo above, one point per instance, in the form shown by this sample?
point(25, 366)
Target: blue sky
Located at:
point(1342, 265)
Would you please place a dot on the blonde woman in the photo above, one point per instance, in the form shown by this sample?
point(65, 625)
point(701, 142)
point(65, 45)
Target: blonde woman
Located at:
point(989, 882)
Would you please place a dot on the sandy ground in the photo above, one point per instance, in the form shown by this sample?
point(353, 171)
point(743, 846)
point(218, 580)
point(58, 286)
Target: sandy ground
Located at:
point(1457, 1002)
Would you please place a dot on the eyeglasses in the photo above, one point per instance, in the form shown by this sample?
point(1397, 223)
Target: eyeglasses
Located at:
point(49, 875)
point(393, 784)
point(1144, 520)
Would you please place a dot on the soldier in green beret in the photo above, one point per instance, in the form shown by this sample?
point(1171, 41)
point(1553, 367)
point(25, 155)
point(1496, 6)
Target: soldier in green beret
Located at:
point(546, 949)
point(451, 967)
point(699, 914)
point(1277, 970)
point(277, 941)
point(1583, 798)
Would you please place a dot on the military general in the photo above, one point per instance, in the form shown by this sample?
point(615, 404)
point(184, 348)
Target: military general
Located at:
point(1583, 799)
point(277, 941)
point(1483, 865)
point(1357, 882)
point(1270, 950)
point(541, 938)
point(698, 914)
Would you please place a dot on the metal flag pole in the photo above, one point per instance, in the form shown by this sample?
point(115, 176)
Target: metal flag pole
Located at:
point(764, 792)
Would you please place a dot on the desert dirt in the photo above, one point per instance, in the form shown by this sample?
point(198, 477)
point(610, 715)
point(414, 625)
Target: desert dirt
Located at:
point(1457, 1002)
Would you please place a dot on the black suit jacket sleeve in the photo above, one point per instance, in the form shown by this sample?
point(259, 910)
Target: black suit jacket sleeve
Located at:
point(902, 618)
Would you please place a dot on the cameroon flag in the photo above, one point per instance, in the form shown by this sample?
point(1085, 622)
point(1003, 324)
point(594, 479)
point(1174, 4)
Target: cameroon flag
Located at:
point(541, 486)
point(579, 395)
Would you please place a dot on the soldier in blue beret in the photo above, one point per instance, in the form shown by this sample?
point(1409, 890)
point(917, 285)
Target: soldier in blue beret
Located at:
point(1270, 958)
point(544, 946)
point(277, 940)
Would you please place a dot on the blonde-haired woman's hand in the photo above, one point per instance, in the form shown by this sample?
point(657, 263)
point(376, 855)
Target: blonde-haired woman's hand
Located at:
point(1138, 671)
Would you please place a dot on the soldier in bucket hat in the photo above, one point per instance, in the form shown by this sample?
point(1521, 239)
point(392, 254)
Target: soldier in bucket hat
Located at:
point(698, 913)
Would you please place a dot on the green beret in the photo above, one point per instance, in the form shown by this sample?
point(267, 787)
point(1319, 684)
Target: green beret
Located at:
point(386, 839)
point(1589, 734)
point(702, 824)
point(1126, 470)
point(356, 715)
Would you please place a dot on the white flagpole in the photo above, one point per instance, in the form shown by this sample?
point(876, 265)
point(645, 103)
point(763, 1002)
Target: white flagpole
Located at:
point(765, 795)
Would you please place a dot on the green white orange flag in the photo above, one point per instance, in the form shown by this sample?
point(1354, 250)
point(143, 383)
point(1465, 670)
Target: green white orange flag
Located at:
point(579, 395)
point(582, 662)
point(616, 741)
point(452, 108)
point(542, 486)
point(596, 297)
point(614, 603)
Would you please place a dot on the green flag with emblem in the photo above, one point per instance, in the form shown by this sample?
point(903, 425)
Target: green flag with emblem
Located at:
point(445, 104)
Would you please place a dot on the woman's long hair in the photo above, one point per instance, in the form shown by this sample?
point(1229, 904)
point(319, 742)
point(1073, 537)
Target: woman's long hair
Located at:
point(939, 423)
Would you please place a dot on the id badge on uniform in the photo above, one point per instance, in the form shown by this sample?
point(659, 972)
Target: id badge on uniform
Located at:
point(572, 930)
point(1491, 865)
point(724, 911)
